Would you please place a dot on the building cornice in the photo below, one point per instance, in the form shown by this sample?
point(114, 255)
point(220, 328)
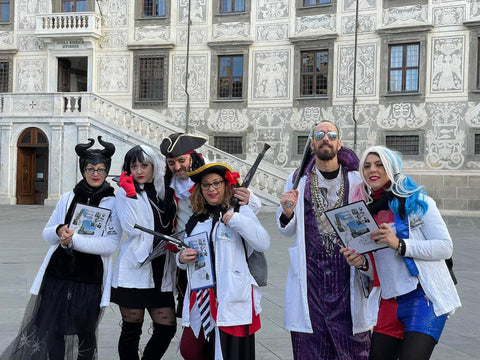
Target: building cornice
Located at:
point(405, 29)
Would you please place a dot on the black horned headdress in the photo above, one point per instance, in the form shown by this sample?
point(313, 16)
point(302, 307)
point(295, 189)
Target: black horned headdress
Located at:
point(95, 156)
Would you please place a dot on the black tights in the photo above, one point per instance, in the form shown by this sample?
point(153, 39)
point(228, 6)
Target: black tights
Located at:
point(164, 327)
point(414, 346)
point(86, 345)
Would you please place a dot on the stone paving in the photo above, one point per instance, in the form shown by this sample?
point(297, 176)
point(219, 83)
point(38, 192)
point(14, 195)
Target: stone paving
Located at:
point(22, 251)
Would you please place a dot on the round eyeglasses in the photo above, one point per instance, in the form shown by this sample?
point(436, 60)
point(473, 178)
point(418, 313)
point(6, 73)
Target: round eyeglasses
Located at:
point(92, 171)
point(319, 135)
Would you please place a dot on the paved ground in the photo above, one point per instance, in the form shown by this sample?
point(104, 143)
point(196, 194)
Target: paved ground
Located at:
point(22, 251)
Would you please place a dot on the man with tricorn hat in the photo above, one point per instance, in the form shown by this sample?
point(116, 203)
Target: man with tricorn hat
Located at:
point(181, 156)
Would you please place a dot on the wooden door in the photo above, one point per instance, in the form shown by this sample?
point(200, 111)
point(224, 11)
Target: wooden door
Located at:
point(25, 176)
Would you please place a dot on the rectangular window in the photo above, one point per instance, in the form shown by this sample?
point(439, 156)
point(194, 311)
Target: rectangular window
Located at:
point(314, 73)
point(230, 77)
point(403, 68)
point(232, 6)
point(4, 76)
point(315, 2)
point(301, 141)
point(477, 144)
point(153, 8)
point(229, 144)
point(151, 78)
point(4, 10)
point(74, 5)
point(406, 144)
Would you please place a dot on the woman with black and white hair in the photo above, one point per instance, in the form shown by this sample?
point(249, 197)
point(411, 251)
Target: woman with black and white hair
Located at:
point(143, 199)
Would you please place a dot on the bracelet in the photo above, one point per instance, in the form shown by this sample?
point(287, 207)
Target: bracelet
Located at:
point(401, 247)
point(364, 266)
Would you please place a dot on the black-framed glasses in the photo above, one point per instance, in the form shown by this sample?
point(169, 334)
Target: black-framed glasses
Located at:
point(215, 184)
point(92, 171)
point(319, 135)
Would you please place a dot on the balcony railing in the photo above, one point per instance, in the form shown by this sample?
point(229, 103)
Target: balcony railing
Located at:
point(68, 25)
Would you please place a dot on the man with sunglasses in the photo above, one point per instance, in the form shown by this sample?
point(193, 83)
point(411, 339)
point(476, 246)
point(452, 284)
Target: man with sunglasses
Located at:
point(324, 298)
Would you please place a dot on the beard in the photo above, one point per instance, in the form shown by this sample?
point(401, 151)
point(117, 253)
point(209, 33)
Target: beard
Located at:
point(181, 175)
point(326, 154)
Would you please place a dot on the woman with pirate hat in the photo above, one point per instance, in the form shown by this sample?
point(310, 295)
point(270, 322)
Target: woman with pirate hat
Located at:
point(144, 200)
point(180, 151)
point(220, 322)
point(73, 283)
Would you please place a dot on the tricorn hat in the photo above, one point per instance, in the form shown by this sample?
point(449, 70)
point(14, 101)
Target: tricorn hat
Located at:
point(95, 156)
point(178, 144)
point(217, 168)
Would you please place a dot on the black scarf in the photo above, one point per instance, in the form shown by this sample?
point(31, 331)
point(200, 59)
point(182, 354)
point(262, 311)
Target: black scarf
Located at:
point(382, 200)
point(212, 211)
point(73, 265)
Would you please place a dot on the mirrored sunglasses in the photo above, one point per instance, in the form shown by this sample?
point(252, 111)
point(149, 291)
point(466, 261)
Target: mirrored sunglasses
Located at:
point(319, 135)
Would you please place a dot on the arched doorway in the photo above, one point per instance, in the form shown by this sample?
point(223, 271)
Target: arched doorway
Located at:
point(32, 167)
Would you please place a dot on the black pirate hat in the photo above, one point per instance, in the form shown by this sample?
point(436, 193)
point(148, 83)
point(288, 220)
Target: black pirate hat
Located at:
point(178, 144)
point(223, 170)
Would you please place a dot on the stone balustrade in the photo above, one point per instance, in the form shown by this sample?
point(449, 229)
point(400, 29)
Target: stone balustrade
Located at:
point(61, 25)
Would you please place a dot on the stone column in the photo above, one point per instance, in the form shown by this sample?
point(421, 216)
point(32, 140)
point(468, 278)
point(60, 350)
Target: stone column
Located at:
point(5, 165)
point(55, 167)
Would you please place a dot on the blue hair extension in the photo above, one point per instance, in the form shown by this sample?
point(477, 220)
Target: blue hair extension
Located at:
point(406, 188)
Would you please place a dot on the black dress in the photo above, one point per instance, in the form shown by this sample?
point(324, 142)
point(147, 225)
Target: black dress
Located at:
point(69, 298)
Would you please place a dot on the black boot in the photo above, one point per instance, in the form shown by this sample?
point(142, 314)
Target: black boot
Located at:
point(129, 339)
point(158, 343)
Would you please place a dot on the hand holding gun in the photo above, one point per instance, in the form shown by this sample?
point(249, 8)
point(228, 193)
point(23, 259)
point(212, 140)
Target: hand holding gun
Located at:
point(249, 176)
point(307, 151)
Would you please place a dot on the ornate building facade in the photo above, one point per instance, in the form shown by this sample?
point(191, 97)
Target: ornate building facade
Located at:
point(399, 73)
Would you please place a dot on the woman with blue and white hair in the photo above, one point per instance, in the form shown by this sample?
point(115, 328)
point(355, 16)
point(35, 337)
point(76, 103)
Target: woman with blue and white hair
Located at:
point(417, 290)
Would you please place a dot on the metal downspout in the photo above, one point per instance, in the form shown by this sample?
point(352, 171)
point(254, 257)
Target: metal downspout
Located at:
point(354, 100)
point(187, 111)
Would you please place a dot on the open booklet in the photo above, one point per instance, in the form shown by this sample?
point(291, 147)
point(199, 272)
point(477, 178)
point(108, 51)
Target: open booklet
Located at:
point(201, 276)
point(353, 224)
point(89, 220)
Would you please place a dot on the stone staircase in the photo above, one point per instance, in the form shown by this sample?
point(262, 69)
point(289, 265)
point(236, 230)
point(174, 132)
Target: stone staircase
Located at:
point(88, 110)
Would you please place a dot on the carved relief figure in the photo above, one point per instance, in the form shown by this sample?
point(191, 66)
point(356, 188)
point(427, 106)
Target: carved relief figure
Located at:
point(272, 9)
point(31, 76)
point(271, 75)
point(447, 64)
point(113, 73)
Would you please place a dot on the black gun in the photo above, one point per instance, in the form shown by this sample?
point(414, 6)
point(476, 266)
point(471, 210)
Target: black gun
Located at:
point(249, 176)
point(179, 244)
point(307, 151)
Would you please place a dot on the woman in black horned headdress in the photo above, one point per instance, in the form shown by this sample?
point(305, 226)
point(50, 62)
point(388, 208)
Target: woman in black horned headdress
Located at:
point(73, 283)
